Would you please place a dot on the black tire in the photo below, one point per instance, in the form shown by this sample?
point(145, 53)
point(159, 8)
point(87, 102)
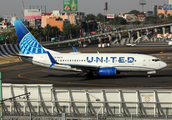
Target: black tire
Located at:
point(89, 75)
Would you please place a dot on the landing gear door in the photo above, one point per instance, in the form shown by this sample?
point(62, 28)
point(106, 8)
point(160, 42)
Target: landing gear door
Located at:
point(144, 62)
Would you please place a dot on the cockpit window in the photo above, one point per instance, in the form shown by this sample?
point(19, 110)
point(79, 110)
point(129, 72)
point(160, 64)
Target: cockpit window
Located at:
point(155, 60)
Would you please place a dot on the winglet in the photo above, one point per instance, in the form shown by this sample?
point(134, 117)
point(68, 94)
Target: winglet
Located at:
point(74, 49)
point(52, 60)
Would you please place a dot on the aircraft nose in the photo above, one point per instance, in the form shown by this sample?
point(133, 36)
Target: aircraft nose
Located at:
point(163, 65)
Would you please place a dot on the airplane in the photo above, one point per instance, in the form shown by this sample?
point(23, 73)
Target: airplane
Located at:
point(101, 64)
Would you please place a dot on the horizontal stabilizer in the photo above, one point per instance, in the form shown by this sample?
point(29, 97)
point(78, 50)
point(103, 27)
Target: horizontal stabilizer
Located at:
point(53, 61)
point(27, 55)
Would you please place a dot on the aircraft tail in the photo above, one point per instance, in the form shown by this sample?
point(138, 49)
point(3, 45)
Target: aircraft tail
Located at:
point(28, 44)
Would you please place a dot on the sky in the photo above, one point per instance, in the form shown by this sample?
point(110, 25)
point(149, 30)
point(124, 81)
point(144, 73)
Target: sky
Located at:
point(11, 7)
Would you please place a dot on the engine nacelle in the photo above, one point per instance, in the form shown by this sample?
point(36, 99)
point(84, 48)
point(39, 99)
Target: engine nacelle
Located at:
point(107, 71)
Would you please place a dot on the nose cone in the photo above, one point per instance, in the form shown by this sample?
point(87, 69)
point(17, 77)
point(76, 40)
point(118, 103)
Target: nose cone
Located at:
point(163, 65)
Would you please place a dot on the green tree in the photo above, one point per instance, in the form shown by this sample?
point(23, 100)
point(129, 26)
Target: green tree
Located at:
point(153, 19)
point(100, 18)
point(90, 17)
point(49, 32)
point(13, 37)
point(35, 33)
point(54, 31)
point(1, 19)
point(168, 18)
point(10, 37)
point(136, 22)
point(6, 36)
point(119, 21)
point(135, 12)
point(70, 29)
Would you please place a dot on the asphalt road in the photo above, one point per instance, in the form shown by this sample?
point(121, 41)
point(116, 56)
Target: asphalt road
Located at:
point(24, 73)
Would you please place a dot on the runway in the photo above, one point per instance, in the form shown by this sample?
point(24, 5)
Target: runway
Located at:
point(24, 73)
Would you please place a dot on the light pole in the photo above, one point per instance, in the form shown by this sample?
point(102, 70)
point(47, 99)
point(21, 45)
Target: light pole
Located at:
point(76, 33)
point(80, 37)
point(56, 34)
point(40, 36)
point(98, 112)
point(87, 28)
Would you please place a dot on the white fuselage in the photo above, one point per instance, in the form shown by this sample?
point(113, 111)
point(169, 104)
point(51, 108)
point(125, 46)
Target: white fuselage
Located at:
point(121, 61)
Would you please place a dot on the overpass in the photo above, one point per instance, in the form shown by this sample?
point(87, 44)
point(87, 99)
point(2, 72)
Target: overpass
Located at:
point(118, 35)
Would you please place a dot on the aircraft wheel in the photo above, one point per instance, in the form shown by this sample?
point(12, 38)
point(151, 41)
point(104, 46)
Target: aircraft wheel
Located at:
point(89, 75)
point(148, 76)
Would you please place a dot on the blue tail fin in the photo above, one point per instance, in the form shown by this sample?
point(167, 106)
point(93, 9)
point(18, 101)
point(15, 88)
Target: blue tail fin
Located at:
point(74, 49)
point(28, 44)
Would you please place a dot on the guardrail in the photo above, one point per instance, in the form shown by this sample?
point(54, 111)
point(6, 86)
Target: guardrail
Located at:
point(106, 33)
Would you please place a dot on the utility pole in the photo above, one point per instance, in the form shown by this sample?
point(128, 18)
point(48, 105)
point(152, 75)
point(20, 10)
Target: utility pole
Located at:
point(1, 108)
point(80, 38)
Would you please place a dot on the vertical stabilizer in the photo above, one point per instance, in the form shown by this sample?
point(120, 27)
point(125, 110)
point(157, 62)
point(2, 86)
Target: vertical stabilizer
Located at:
point(28, 44)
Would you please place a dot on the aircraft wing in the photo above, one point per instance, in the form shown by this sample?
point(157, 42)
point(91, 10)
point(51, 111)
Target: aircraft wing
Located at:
point(25, 55)
point(84, 67)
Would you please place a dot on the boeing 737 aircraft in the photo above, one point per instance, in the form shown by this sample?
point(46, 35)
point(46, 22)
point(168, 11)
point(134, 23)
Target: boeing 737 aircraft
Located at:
point(101, 64)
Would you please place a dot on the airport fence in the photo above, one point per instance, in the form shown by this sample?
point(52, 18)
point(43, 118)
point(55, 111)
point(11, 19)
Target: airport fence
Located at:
point(86, 117)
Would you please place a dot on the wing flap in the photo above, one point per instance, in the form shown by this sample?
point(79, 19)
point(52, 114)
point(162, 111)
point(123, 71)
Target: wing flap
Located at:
point(83, 67)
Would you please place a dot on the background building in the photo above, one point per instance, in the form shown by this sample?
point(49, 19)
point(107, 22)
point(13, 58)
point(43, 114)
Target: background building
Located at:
point(57, 21)
point(170, 1)
point(56, 16)
point(155, 8)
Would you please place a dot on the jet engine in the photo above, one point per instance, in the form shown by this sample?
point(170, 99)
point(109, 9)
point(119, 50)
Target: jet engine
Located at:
point(107, 71)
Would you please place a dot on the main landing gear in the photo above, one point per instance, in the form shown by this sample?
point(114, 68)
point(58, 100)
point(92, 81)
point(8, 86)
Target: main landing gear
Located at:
point(148, 76)
point(89, 75)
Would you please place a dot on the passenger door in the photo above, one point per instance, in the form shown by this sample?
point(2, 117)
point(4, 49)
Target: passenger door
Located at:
point(144, 62)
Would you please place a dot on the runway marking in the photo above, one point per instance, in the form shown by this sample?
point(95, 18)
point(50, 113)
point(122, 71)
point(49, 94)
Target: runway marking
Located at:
point(86, 84)
point(44, 70)
point(20, 75)
point(15, 66)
